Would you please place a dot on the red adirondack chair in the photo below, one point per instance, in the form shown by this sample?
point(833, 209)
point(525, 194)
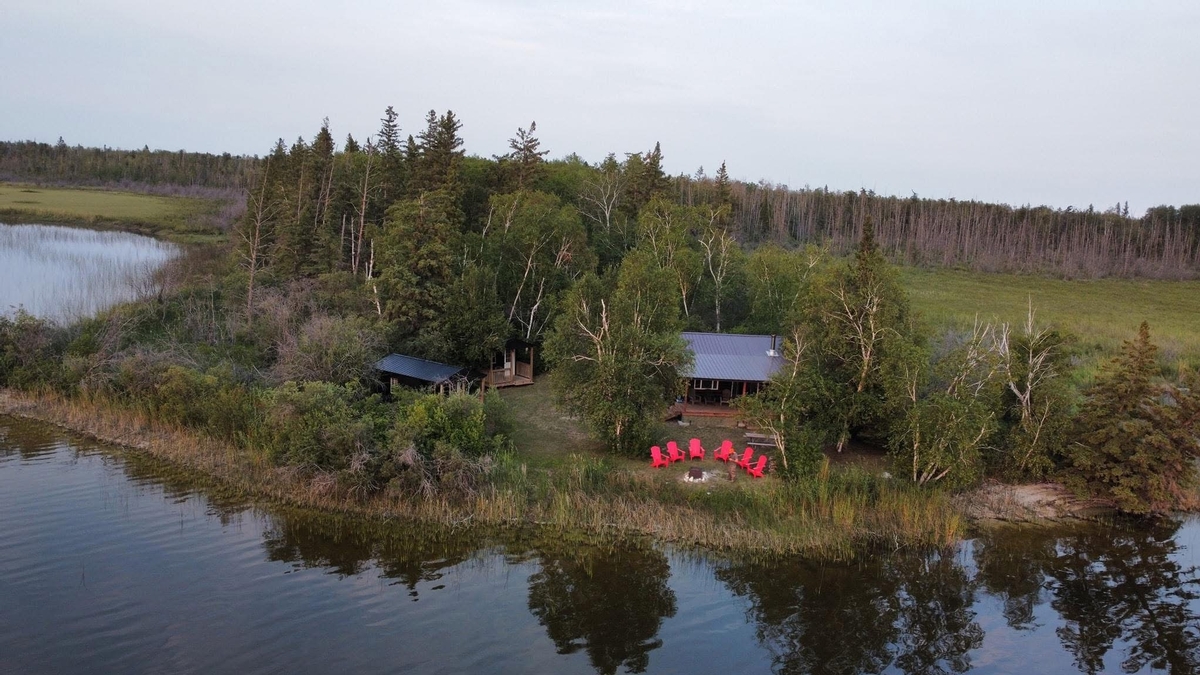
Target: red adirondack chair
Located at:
point(757, 469)
point(674, 452)
point(657, 459)
point(722, 453)
point(744, 462)
point(695, 451)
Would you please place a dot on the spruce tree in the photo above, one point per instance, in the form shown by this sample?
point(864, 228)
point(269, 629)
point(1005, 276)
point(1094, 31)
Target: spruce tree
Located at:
point(525, 157)
point(724, 193)
point(391, 184)
point(1133, 441)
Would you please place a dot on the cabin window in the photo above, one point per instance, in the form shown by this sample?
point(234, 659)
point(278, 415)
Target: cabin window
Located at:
point(705, 385)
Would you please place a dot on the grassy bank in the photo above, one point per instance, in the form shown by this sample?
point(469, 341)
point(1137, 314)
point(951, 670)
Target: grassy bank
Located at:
point(835, 515)
point(177, 219)
point(1100, 313)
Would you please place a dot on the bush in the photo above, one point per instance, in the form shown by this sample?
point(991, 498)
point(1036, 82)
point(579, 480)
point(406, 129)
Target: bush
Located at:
point(321, 425)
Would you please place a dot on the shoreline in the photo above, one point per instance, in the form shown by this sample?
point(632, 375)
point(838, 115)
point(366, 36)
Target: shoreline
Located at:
point(822, 531)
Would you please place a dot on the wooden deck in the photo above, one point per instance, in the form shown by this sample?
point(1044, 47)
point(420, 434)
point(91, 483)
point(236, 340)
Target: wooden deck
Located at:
point(519, 376)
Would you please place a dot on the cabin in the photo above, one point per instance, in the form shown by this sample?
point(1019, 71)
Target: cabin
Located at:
point(725, 367)
point(514, 368)
point(410, 371)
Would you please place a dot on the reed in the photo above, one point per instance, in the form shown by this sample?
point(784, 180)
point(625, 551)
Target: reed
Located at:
point(835, 515)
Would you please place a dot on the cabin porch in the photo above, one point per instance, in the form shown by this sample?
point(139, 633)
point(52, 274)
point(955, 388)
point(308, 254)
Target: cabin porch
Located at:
point(512, 372)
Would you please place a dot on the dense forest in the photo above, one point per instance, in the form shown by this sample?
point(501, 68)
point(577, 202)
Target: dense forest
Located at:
point(1163, 243)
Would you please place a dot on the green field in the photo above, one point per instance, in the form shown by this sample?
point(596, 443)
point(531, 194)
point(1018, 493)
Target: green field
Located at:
point(1100, 313)
point(179, 219)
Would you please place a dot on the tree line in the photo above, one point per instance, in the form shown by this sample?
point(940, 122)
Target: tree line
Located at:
point(30, 161)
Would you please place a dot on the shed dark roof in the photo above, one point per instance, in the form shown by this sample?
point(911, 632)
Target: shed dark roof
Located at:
point(726, 356)
point(418, 369)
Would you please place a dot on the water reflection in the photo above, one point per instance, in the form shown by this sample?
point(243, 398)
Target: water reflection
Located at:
point(253, 588)
point(609, 601)
point(913, 612)
point(1118, 586)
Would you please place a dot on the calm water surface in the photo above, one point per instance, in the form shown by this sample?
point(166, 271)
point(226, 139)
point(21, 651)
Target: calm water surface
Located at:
point(111, 564)
point(64, 273)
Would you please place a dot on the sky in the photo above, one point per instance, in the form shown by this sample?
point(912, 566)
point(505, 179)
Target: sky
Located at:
point(1065, 103)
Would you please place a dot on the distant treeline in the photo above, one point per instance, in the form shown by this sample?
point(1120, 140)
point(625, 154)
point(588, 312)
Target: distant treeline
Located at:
point(1164, 243)
point(77, 165)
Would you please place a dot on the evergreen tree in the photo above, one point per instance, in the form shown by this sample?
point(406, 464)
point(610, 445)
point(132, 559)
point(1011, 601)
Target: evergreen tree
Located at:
point(1136, 439)
point(724, 192)
point(351, 145)
point(415, 255)
point(391, 184)
point(525, 157)
point(440, 163)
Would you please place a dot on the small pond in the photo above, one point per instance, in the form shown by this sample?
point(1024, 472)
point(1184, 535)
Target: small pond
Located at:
point(64, 273)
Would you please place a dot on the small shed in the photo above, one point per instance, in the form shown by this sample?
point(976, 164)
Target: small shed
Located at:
point(410, 371)
point(727, 366)
point(514, 368)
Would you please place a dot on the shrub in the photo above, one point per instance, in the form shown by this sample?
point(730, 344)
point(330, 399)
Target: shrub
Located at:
point(319, 424)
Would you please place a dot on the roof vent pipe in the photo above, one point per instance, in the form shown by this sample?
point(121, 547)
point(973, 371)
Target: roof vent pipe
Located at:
point(772, 351)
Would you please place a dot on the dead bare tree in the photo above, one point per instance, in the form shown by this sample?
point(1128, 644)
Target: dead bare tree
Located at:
point(253, 233)
point(719, 248)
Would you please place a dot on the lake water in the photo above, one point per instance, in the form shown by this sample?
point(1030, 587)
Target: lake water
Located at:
point(64, 273)
point(111, 563)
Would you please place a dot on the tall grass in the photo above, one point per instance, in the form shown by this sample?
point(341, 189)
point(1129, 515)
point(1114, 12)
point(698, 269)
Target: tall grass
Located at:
point(835, 515)
point(177, 218)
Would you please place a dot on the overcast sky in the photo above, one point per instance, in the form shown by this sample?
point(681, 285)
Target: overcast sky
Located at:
point(1062, 103)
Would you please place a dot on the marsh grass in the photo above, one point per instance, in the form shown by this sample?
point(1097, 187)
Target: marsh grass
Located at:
point(833, 516)
point(178, 219)
point(1100, 313)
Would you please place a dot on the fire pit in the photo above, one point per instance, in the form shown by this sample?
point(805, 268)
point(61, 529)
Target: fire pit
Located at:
point(698, 475)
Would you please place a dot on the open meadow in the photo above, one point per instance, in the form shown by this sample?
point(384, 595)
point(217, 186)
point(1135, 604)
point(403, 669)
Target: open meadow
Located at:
point(180, 219)
point(1100, 313)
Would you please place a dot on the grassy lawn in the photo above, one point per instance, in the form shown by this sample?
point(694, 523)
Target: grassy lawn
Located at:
point(179, 219)
point(1101, 313)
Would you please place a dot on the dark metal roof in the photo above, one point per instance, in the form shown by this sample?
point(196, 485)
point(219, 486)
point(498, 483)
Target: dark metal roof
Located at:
point(418, 369)
point(727, 356)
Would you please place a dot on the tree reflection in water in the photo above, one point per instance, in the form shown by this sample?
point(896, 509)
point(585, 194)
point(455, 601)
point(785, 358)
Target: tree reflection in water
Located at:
point(1119, 592)
point(913, 612)
point(608, 601)
point(410, 554)
point(1113, 586)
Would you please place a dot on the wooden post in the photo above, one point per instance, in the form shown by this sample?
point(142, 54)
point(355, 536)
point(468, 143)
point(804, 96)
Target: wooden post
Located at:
point(531, 363)
point(743, 388)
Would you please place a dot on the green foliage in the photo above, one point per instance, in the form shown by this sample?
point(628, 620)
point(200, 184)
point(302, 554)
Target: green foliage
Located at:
point(1137, 439)
point(213, 402)
point(458, 420)
point(780, 286)
point(415, 254)
point(617, 353)
point(319, 424)
point(946, 416)
point(793, 409)
point(1038, 404)
point(329, 348)
point(29, 348)
point(868, 335)
point(536, 246)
